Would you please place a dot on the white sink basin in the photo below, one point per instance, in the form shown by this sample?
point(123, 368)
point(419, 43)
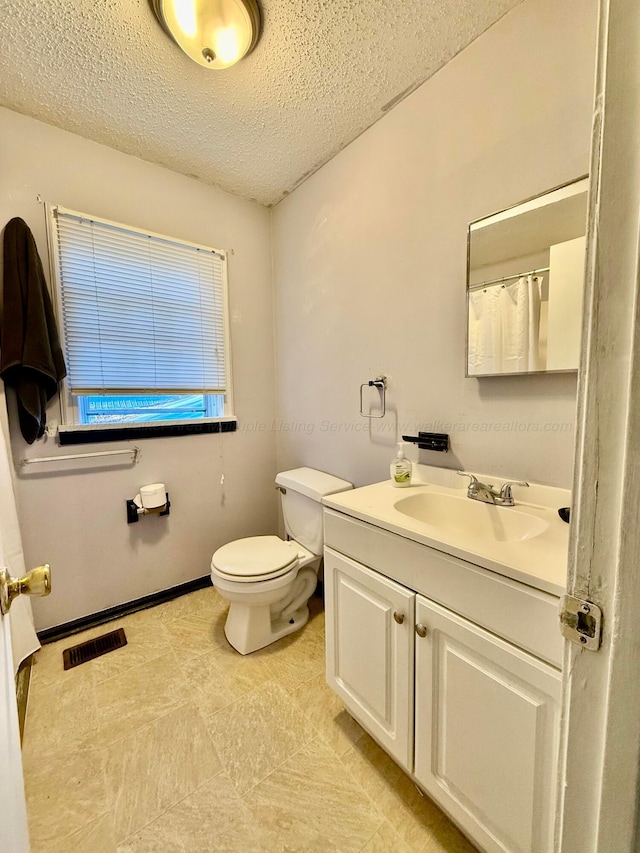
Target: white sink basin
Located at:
point(527, 542)
point(461, 516)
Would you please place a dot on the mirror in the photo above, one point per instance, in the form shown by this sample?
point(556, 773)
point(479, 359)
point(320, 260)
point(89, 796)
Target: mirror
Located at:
point(525, 277)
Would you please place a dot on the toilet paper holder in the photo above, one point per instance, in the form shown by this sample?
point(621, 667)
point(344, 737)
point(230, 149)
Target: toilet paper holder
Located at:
point(135, 510)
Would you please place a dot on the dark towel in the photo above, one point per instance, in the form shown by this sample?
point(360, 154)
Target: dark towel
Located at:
point(31, 358)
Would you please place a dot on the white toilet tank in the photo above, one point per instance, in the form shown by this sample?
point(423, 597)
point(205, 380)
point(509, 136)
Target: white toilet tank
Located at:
point(301, 491)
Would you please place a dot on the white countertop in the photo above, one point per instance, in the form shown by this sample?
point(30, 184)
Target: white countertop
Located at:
point(539, 561)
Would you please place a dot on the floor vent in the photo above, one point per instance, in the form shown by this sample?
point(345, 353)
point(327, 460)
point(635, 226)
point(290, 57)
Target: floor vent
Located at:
point(84, 652)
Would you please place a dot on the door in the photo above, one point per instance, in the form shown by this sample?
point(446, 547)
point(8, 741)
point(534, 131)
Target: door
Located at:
point(486, 732)
point(13, 820)
point(369, 633)
point(13, 825)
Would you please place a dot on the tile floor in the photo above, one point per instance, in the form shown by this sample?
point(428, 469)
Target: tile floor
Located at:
point(177, 744)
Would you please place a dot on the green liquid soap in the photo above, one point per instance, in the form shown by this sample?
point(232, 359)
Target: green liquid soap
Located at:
point(400, 469)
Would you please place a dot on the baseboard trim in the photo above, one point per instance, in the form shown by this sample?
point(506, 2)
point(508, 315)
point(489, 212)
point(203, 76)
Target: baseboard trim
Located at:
point(68, 629)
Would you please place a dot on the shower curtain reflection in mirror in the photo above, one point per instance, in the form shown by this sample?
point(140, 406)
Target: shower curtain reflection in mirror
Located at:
point(504, 327)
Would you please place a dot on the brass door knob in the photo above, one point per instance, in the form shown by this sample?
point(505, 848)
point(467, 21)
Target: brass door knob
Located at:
point(399, 617)
point(35, 582)
point(421, 630)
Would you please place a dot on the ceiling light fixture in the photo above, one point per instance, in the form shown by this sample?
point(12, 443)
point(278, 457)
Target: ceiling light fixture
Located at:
point(214, 33)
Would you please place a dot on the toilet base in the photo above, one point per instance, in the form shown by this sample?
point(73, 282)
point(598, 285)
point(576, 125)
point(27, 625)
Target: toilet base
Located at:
point(251, 628)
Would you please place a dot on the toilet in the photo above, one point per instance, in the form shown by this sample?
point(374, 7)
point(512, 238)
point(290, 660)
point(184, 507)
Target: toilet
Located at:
point(268, 580)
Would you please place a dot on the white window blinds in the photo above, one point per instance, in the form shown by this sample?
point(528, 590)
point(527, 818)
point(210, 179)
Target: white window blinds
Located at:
point(140, 313)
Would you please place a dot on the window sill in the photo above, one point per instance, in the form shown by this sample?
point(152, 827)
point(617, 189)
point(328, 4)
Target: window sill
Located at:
point(92, 434)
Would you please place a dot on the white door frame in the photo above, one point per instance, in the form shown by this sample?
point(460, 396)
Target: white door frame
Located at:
point(600, 752)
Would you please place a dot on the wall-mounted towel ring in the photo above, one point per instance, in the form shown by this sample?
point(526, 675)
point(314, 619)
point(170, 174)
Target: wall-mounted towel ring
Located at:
point(380, 382)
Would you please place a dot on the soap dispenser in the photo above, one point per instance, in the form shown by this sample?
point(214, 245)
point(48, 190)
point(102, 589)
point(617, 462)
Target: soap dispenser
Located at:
point(400, 469)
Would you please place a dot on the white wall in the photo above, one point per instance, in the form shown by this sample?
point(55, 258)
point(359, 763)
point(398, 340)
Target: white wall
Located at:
point(75, 519)
point(370, 257)
point(565, 302)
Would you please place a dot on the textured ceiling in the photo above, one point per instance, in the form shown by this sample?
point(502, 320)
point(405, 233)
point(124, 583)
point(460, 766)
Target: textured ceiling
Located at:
point(323, 71)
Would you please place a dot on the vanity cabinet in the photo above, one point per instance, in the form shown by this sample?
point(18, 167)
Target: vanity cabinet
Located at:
point(370, 651)
point(486, 724)
point(468, 714)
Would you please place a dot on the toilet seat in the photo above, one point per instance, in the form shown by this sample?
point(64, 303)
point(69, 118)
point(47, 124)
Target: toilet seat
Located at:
point(256, 558)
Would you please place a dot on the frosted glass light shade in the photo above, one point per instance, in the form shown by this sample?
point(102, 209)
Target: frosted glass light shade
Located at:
point(214, 33)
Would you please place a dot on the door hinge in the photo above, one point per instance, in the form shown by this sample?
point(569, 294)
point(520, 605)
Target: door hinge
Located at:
point(581, 622)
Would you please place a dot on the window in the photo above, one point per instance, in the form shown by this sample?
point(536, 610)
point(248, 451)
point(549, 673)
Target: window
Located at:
point(145, 408)
point(144, 325)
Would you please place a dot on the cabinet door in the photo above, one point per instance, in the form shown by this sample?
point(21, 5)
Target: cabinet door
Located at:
point(486, 732)
point(369, 631)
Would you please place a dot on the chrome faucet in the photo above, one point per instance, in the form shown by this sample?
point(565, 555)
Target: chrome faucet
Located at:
point(478, 491)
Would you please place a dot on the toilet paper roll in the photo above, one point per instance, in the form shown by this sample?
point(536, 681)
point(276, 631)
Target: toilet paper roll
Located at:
point(153, 495)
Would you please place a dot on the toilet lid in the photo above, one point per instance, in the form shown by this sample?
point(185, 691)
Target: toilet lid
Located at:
point(255, 557)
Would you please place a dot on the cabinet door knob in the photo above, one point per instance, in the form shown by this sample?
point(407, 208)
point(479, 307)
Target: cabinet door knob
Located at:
point(399, 617)
point(421, 631)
